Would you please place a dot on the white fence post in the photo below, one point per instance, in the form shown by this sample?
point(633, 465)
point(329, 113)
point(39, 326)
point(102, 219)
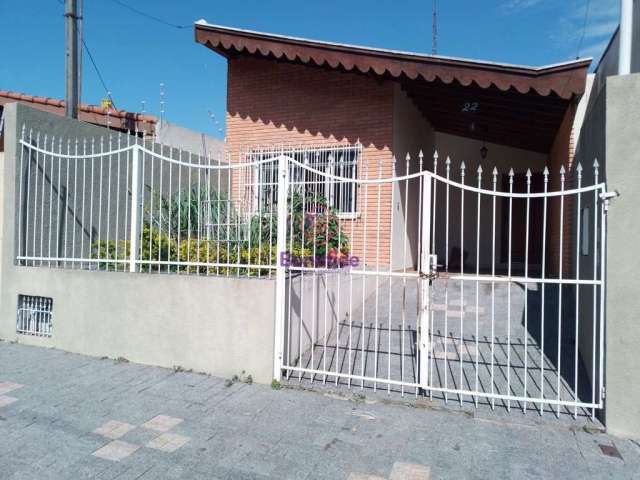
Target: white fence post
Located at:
point(134, 233)
point(424, 282)
point(283, 188)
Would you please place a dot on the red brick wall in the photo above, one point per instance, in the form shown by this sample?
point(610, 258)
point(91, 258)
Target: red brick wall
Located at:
point(562, 153)
point(271, 102)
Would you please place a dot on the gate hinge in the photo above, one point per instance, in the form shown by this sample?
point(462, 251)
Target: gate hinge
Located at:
point(603, 393)
point(606, 197)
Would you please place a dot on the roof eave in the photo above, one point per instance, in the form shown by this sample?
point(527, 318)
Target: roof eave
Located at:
point(204, 32)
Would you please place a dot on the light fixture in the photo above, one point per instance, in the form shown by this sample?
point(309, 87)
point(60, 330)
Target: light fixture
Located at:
point(484, 151)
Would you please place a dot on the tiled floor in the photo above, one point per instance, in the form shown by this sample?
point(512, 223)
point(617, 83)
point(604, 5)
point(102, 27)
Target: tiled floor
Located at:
point(79, 418)
point(491, 347)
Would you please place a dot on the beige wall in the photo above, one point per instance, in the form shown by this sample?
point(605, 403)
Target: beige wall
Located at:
point(460, 149)
point(319, 304)
point(215, 325)
point(412, 133)
point(622, 117)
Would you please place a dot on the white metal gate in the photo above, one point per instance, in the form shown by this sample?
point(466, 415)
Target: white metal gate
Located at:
point(484, 291)
point(389, 275)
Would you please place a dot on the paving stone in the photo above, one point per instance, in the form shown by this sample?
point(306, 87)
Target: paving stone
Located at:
point(254, 432)
point(6, 400)
point(364, 476)
point(6, 387)
point(116, 450)
point(113, 429)
point(449, 355)
point(168, 442)
point(410, 471)
point(162, 423)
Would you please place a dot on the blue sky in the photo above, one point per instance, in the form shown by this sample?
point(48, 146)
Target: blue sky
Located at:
point(135, 54)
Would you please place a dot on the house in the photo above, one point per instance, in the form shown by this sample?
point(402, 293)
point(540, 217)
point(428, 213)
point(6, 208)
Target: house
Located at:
point(116, 119)
point(391, 104)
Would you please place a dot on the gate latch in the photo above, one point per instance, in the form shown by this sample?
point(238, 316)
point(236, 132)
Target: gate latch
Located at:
point(432, 273)
point(606, 197)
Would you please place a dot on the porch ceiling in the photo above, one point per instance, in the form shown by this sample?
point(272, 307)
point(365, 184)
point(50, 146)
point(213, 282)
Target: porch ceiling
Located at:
point(517, 105)
point(522, 120)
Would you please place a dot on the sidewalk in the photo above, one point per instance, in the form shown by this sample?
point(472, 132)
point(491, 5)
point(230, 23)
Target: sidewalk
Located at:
point(65, 416)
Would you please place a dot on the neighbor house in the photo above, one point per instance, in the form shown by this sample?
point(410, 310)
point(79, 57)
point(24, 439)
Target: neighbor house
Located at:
point(119, 120)
point(388, 104)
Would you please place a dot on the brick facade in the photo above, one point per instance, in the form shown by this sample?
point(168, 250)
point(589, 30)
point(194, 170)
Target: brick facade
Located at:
point(562, 153)
point(271, 102)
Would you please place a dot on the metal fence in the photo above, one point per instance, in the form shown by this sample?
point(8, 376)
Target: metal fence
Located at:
point(393, 273)
point(414, 295)
point(126, 203)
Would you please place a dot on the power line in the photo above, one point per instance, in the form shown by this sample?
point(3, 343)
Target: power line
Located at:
point(95, 66)
point(151, 17)
point(584, 28)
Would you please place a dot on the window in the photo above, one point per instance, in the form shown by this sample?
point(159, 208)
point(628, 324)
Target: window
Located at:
point(338, 160)
point(35, 315)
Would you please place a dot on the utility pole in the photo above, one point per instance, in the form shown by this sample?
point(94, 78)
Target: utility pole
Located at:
point(626, 37)
point(71, 58)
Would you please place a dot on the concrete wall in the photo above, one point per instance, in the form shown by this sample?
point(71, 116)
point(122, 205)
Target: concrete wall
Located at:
point(610, 134)
point(590, 145)
point(503, 158)
point(66, 196)
point(170, 134)
point(623, 262)
point(412, 133)
point(215, 325)
point(317, 305)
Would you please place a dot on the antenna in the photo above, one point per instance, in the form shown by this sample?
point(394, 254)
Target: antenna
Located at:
point(161, 102)
point(215, 121)
point(434, 29)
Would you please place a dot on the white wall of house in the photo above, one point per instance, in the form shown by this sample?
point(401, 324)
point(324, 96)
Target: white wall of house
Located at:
point(460, 149)
point(411, 133)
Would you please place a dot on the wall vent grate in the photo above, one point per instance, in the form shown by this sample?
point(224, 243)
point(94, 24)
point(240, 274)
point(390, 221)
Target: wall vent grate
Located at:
point(35, 316)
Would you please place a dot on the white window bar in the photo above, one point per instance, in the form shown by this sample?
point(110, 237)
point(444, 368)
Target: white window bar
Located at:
point(34, 316)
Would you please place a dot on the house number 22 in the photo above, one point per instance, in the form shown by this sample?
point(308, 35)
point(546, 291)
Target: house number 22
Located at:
point(470, 107)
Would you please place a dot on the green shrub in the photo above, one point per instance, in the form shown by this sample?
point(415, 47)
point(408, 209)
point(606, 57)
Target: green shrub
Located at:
point(314, 232)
